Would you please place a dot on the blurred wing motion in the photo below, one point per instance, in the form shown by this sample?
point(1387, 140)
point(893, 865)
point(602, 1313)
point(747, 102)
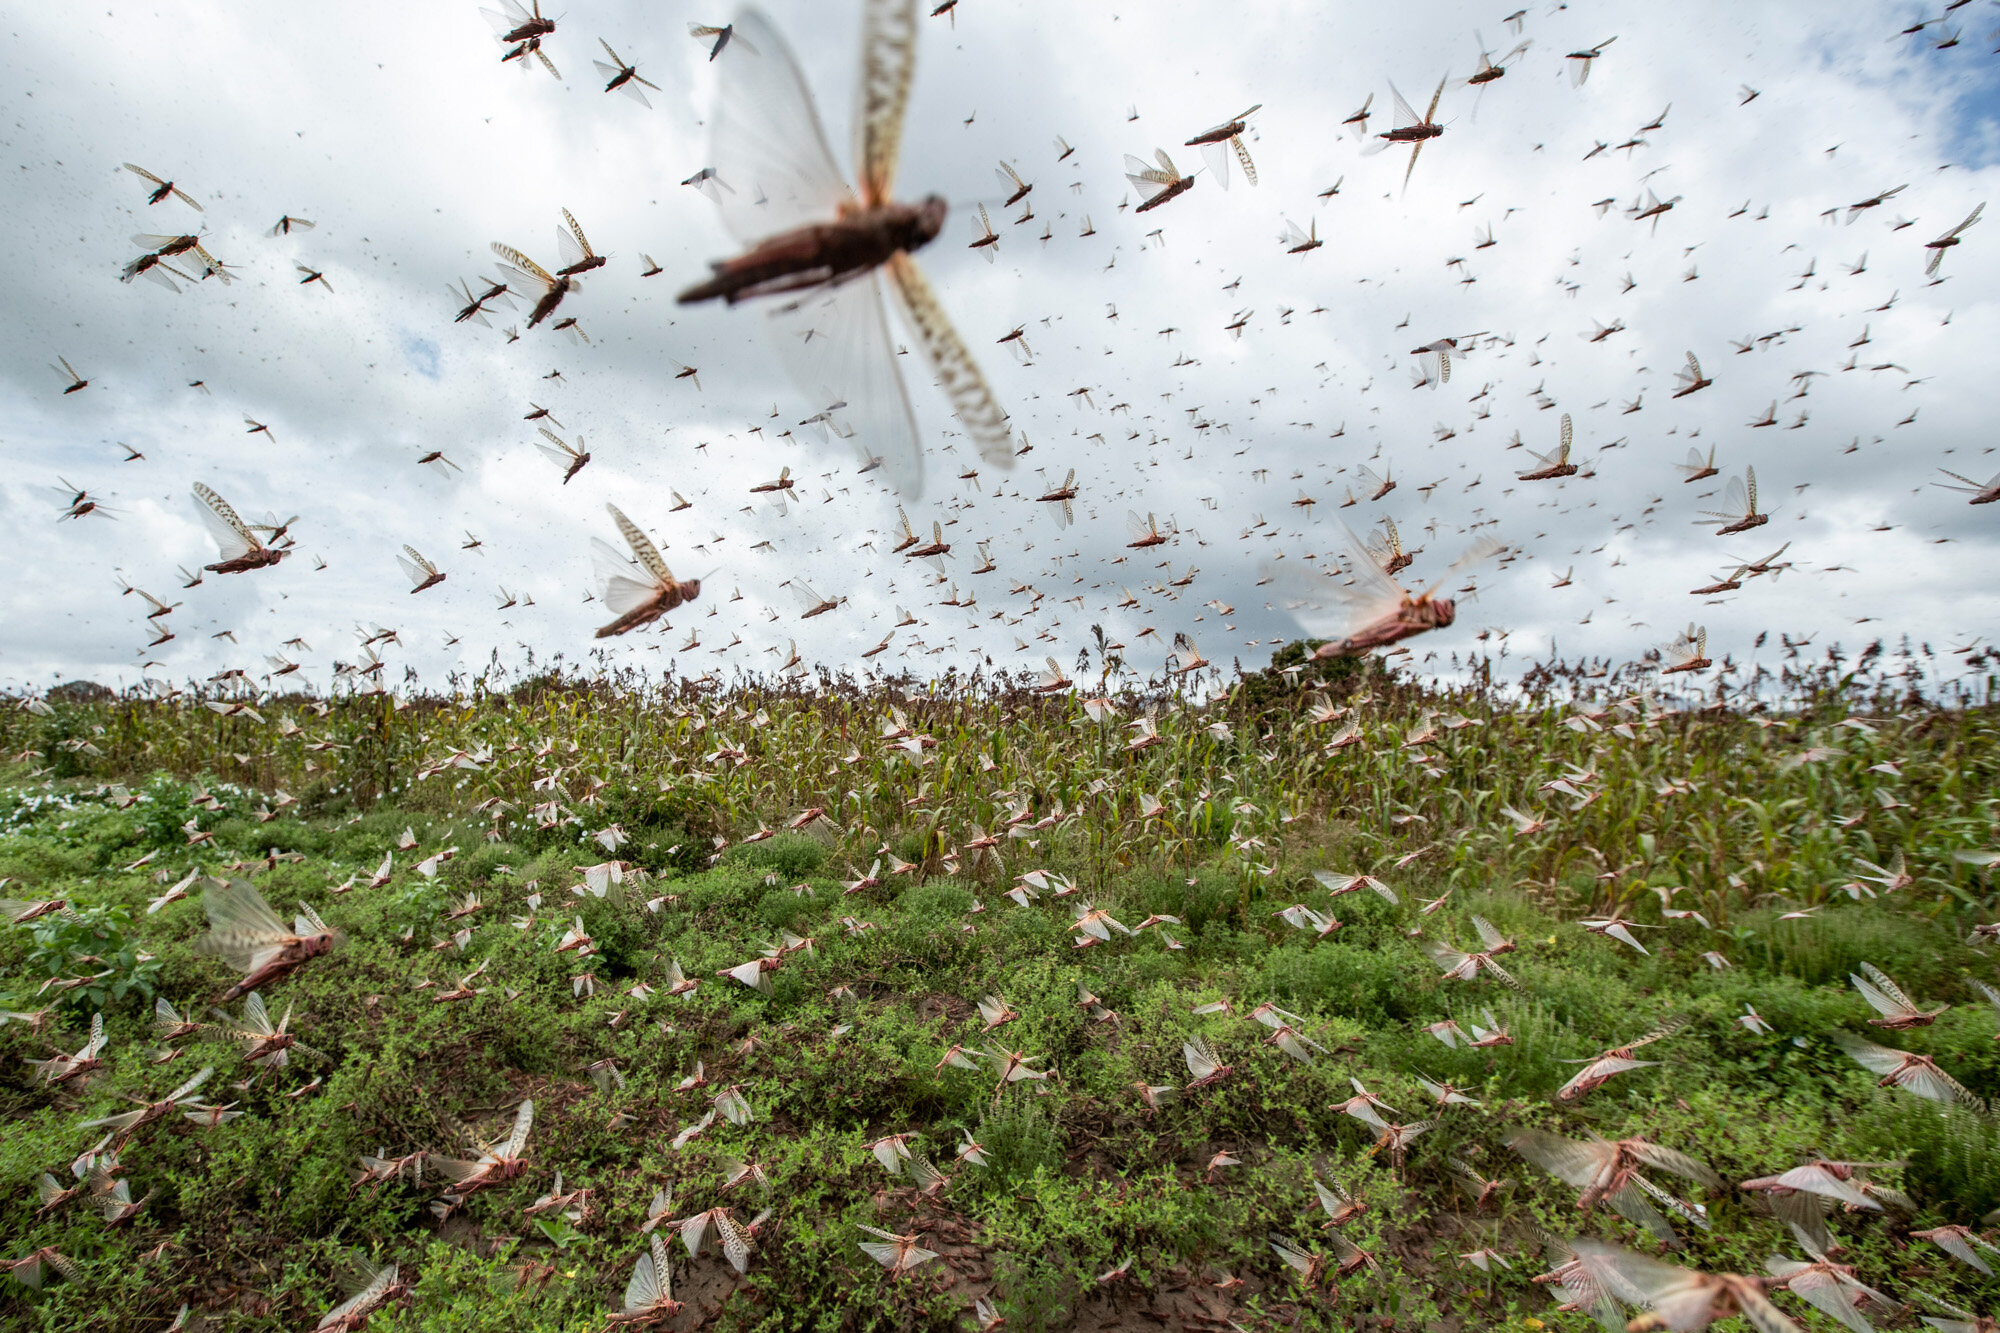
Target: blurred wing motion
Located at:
point(835, 345)
point(888, 60)
point(243, 930)
point(973, 401)
point(768, 142)
point(1330, 606)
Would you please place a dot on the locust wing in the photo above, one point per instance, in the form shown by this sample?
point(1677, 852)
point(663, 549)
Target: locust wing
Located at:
point(888, 60)
point(971, 399)
point(1330, 606)
point(835, 345)
point(243, 930)
point(231, 534)
point(642, 545)
point(767, 141)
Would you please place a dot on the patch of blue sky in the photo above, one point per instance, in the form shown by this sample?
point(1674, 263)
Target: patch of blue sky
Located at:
point(423, 356)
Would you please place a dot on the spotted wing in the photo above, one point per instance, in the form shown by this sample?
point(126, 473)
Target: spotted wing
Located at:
point(651, 1280)
point(231, 534)
point(361, 1302)
point(835, 344)
point(735, 1242)
point(557, 451)
point(642, 545)
point(520, 268)
point(888, 60)
point(766, 140)
point(971, 398)
point(517, 1138)
point(576, 233)
point(1243, 159)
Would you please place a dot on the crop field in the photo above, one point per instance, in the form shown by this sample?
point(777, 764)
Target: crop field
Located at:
point(1311, 999)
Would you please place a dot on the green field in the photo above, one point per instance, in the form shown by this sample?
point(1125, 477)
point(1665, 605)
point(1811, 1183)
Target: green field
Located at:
point(1805, 791)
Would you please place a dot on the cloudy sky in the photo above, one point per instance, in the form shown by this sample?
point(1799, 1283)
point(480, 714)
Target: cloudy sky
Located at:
point(398, 131)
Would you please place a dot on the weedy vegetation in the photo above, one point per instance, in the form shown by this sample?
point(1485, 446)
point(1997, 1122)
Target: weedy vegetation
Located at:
point(917, 917)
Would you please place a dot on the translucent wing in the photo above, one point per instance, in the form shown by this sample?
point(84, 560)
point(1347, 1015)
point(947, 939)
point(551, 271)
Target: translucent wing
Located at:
point(1330, 1200)
point(646, 1288)
point(836, 346)
point(971, 399)
point(1820, 1290)
point(256, 1018)
point(767, 141)
point(1735, 500)
point(1147, 179)
point(1216, 155)
point(622, 584)
point(1750, 489)
point(1884, 994)
point(1404, 115)
point(1329, 607)
point(1569, 1161)
point(888, 59)
point(243, 930)
point(229, 531)
point(569, 242)
point(1293, 1257)
point(557, 451)
point(414, 573)
point(883, 1253)
point(508, 17)
point(642, 545)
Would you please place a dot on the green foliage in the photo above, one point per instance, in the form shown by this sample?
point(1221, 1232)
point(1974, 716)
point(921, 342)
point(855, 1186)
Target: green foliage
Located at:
point(417, 1038)
point(93, 945)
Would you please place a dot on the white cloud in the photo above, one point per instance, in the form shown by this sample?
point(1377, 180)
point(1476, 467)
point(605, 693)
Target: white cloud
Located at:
point(401, 135)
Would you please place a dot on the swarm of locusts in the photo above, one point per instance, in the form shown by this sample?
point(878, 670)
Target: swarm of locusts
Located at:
point(1277, 1000)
